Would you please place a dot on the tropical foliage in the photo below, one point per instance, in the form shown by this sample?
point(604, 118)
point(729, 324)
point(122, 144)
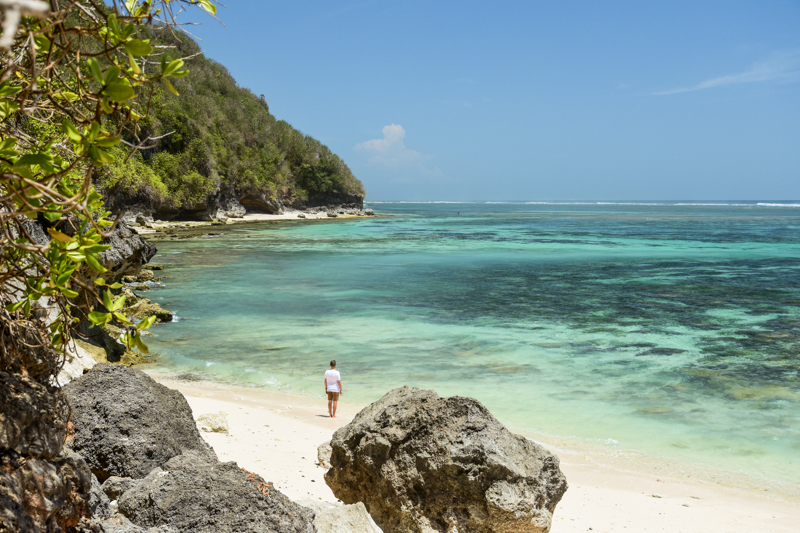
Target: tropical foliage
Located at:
point(219, 136)
point(76, 82)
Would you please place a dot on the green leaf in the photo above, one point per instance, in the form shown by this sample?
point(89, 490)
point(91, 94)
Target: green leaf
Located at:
point(171, 88)
point(34, 159)
point(95, 264)
point(94, 67)
point(13, 307)
point(112, 75)
point(107, 300)
point(147, 322)
point(108, 142)
point(134, 66)
point(7, 108)
point(95, 248)
point(41, 43)
point(120, 91)
point(113, 24)
point(128, 30)
point(6, 89)
point(52, 216)
point(69, 293)
point(209, 6)
point(93, 131)
point(140, 344)
point(116, 285)
point(59, 236)
point(172, 67)
point(123, 319)
point(139, 47)
point(71, 131)
point(100, 282)
point(130, 5)
point(118, 304)
point(98, 318)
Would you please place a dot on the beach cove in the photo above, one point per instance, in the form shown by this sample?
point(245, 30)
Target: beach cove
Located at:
point(276, 436)
point(658, 333)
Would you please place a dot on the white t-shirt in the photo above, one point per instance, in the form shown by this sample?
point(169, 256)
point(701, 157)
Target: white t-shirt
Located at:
point(332, 377)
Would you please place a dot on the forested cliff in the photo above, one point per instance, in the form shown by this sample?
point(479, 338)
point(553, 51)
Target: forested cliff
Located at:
point(217, 150)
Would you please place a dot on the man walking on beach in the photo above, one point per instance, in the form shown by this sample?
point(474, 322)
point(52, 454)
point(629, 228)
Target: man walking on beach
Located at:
point(333, 386)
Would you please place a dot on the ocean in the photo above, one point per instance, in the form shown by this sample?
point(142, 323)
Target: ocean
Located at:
point(653, 330)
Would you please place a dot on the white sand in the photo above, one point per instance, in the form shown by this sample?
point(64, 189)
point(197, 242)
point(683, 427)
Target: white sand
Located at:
point(248, 218)
point(276, 436)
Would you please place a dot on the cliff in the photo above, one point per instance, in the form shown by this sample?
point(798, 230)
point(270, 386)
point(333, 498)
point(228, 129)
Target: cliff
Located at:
point(216, 151)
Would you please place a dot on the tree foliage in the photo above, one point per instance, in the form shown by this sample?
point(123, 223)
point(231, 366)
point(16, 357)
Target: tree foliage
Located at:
point(218, 136)
point(78, 78)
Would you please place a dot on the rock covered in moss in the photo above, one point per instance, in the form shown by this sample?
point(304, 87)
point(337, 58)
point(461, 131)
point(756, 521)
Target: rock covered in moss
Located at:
point(419, 462)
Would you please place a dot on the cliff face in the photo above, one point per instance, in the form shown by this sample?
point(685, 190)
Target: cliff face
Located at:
point(218, 151)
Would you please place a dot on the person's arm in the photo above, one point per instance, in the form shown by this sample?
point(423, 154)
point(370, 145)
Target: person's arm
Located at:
point(326, 384)
point(340, 387)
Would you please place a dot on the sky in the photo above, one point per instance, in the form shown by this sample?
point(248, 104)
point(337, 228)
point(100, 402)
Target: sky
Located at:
point(532, 100)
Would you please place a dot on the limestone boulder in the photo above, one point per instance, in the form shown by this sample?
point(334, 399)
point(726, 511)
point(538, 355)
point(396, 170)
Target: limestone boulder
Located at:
point(126, 424)
point(213, 423)
point(193, 495)
point(338, 518)
point(421, 463)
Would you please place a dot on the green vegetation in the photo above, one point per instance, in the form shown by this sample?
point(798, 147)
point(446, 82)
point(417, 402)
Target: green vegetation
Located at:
point(218, 137)
point(74, 83)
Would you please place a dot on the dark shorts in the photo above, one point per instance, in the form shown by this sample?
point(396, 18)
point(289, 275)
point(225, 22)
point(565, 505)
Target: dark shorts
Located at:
point(333, 396)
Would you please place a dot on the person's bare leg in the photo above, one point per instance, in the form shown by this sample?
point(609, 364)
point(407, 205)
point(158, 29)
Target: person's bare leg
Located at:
point(334, 408)
point(330, 413)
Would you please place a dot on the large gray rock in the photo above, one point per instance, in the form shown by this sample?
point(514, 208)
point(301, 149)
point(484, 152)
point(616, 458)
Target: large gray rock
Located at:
point(421, 463)
point(338, 518)
point(126, 424)
point(195, 496)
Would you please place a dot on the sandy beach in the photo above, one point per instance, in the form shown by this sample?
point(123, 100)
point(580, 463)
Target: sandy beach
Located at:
point(276, 436)
point(189, 225)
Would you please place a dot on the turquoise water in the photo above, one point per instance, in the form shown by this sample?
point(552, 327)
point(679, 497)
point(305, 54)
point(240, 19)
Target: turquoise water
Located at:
point(673, 330)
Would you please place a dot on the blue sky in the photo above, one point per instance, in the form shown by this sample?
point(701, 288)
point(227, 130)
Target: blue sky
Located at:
point(532, 101)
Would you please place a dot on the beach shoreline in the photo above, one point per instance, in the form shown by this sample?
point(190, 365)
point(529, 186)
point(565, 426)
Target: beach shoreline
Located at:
point(276, 434)
point(155, 228)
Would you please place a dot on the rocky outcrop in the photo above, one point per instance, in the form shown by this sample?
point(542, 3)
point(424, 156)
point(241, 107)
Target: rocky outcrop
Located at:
point(262, 202)
point(43, 495)
point(126, 424)
point(41, 488)
point(127, 254)
point(191, 494)
point(421, 463)
point(223, 208)
point(333, 518)
point(33, 419)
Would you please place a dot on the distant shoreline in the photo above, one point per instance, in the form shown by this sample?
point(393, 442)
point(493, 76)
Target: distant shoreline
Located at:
point(160, 230)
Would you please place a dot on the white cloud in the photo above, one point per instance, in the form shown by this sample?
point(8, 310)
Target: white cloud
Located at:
point(781, 67)
point(390, 151)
